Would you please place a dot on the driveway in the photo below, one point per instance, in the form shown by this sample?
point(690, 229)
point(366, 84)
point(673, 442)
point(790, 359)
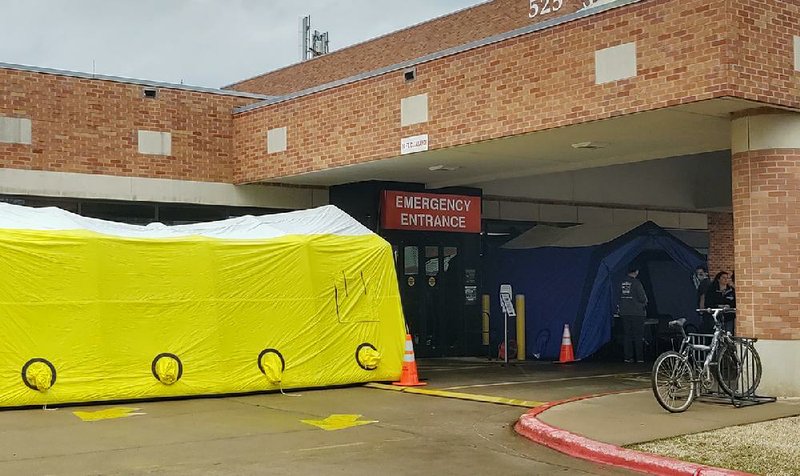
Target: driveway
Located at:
point(398, 433)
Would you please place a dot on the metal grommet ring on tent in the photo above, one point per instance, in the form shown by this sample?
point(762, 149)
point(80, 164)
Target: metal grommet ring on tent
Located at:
point(270, 351)
point(358, 356)
point(34, 361)
point(166, 355)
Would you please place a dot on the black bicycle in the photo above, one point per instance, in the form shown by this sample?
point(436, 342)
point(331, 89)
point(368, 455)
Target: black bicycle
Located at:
point(728, 363)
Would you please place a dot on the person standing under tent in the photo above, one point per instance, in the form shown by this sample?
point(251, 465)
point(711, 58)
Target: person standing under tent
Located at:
point(632, 311)
point(720, 293)
point(701, 283)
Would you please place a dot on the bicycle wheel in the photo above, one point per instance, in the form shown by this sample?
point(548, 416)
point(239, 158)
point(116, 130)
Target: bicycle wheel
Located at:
point(739, 369)
point(673, 382)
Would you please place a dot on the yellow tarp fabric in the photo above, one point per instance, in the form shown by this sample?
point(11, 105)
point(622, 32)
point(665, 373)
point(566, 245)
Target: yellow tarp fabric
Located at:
point(127, 318)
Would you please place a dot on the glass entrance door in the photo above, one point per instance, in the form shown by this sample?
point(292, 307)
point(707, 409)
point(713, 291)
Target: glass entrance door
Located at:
point(431, 292)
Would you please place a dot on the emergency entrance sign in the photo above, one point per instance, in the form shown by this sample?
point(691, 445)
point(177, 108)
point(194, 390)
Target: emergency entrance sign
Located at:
point(430, 212)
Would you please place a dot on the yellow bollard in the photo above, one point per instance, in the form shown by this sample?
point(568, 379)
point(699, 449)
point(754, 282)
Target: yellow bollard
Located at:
point(520, 305)
point(485, 327)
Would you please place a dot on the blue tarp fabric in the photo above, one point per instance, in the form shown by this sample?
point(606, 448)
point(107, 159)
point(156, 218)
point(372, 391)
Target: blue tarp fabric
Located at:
point(575, 286)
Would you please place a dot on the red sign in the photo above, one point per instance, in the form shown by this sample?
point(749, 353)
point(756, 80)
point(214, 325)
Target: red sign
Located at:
point(430, 212)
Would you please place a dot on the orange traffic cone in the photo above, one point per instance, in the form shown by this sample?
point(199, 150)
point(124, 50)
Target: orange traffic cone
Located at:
point(566, 347)
point(409, 376)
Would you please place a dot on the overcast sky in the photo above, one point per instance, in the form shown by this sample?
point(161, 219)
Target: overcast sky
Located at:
point(208, 43)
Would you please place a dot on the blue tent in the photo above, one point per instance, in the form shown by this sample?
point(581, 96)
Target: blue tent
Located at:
point(570, 276)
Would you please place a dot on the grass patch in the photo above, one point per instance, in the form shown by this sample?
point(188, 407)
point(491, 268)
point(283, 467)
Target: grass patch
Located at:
point(767, 448)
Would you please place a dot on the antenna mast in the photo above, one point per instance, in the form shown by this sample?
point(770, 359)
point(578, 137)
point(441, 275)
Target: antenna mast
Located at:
point(312, 45)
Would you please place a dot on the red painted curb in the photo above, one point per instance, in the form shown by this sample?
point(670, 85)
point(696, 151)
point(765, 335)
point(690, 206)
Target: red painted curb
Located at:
point(578, 446)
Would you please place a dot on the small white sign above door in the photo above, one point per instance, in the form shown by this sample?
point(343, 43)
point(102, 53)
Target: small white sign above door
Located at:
point(413, 144)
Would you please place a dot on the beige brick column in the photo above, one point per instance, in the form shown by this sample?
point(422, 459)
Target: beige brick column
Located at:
point(766, 215)
point(720, 243)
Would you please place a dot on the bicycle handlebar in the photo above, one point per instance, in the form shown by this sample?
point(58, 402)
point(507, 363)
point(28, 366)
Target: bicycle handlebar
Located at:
point(717, 310)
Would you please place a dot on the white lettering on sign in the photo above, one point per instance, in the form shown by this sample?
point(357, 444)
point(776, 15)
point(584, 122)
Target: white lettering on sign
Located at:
point(543, 7)
point(432, 221)
point(425, 203)
point(409, 145)
point(593, 3)
point(427, 211)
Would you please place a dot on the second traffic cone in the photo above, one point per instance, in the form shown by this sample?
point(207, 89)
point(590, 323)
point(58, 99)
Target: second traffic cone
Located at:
point(409, 377)
point(566, 347)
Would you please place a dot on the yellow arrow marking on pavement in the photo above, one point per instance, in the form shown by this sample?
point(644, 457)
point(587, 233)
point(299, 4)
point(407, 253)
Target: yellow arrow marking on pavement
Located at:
point(108, 414)
point(339, 422)
point(458, 395)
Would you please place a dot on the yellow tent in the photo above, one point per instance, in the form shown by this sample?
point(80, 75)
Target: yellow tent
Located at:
point(92, 310)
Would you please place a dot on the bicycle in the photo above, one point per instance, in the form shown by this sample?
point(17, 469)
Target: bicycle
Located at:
point(731, 364)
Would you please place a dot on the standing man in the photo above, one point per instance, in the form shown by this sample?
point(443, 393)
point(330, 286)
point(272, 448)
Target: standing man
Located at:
point(701, 283)
point(633, 310)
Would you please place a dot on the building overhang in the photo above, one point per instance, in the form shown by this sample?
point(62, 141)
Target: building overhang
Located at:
point(670, 132)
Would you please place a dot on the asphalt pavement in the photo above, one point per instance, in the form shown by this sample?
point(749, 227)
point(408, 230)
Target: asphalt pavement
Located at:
point(366, 429)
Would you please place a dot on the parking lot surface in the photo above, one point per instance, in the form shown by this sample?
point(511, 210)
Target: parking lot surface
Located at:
point(354, 430)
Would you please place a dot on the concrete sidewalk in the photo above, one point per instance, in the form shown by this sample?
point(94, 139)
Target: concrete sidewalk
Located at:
point(597, 428)
point(569, 415)
point(629, 418)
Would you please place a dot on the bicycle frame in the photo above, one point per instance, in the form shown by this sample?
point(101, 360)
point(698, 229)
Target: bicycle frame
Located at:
point(720, 335)
point(730, 369)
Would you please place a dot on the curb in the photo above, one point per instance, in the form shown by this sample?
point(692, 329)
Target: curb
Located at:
point(581, 447)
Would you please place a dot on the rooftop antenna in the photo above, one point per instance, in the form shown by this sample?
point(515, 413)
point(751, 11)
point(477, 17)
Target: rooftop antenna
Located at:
point(93, 70)
point(312, 44)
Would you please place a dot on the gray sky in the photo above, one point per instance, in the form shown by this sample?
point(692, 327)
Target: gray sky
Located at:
point(200, 42)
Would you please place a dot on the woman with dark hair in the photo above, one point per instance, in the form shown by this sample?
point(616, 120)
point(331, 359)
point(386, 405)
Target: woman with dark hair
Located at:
point(720, 293)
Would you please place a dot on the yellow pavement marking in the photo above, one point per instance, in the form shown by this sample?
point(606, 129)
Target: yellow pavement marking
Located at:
point(563, 379)
point(339, 422)
point(108, 414)
point(458, 395)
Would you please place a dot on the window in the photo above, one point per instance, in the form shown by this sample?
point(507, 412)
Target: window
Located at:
point(432, 261)
point(410, 260)
point(450, 252)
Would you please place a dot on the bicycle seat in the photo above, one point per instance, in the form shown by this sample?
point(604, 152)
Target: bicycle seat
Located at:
point(678, 322)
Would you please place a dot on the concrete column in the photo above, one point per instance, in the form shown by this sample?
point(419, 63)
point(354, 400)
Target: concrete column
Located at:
point(766, 215)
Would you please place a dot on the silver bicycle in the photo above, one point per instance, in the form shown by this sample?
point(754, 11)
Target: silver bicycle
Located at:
point(728, 363)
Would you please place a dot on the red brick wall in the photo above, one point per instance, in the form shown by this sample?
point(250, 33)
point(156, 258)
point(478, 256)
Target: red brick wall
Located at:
point(90, 126)
point(481, 21)
point(762, 50)
point(720, 243)
point(539, 81)
point(766, 193)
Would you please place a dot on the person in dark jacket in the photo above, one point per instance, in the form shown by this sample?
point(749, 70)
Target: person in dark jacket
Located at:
point(720, 293)
point(701, 282)
point(632, 311)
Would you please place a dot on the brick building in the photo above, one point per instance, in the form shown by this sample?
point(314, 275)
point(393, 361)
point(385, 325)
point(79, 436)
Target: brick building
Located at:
point(549, 111)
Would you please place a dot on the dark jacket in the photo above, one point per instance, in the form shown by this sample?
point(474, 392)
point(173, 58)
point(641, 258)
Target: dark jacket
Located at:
point(702, 287)
point(632, 299)
point(716, 298)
